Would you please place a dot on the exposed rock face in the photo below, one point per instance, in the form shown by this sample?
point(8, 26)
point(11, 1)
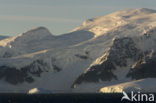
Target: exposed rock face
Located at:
point(117, 55)
point(6, 55)
point(145, 68)
point(123, 49)
point(56, 68)
point(97, 72)
point(82, 56)
point(24, 74)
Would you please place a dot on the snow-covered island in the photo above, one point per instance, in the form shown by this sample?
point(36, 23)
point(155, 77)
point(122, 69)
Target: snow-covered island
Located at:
point(111, 53)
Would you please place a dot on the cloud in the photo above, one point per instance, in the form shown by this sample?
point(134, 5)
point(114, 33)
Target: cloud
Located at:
point(36, 19)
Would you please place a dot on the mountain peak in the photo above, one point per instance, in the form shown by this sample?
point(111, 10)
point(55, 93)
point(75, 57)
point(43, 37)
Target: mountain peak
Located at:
point(35, 34)
point(39, 31)
point(38, 28)
point(104, 24)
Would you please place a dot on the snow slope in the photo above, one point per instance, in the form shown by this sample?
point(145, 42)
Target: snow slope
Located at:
point(143, 85)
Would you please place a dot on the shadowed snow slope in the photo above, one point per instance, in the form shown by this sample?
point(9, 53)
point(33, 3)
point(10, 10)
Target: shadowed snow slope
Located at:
point(3, 37)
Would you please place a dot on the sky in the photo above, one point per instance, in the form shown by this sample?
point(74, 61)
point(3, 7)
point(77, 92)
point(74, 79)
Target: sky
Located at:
point(59, 16)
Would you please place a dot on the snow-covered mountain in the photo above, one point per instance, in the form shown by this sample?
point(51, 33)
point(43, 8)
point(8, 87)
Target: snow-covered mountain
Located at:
point(103, 51)
point(39, 39)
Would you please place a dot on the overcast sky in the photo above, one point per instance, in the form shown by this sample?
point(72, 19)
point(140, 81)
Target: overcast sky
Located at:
point(59, 16)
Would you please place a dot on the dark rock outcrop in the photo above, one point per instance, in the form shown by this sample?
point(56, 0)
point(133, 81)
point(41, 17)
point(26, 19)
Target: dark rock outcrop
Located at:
point(82, 56)
point(145, 68)
point(14, 76)
point(56, 68)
